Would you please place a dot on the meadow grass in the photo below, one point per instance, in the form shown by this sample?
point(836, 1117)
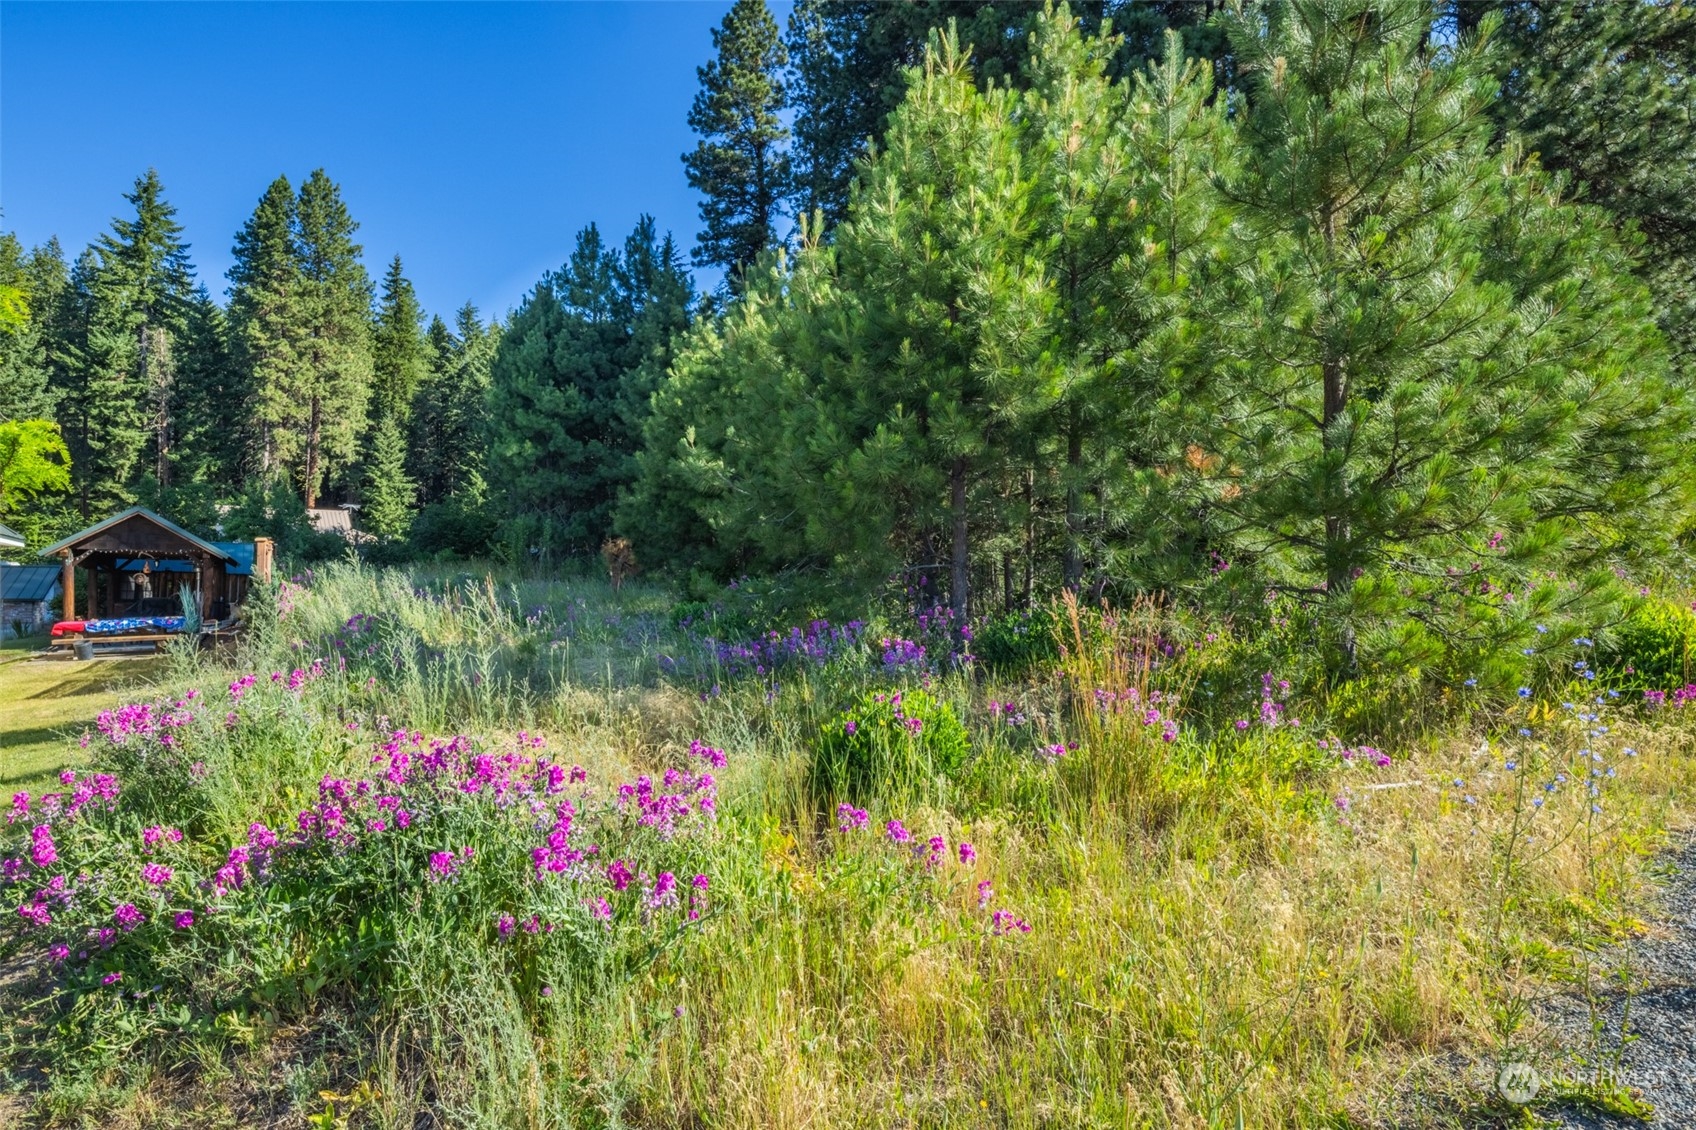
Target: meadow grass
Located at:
point(1263, 927)
point(44, 701)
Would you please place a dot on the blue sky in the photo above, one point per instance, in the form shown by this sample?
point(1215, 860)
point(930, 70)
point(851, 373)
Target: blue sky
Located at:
point(473, 139)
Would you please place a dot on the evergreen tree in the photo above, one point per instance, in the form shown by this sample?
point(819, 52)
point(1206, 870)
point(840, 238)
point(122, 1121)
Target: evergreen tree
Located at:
point(210, 408)
point(741, 166)
point(40, 278)
point(1605, 93)
point(389, 492)
point(332, 383)
point(400, 355)
point(1434, 364)
point(118, 362)
point(570, 381)
point(266, 324)
point(850, 61)
point(448, 414)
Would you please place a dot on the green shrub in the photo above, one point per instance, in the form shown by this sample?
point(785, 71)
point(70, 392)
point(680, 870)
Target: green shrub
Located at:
point(1013, 643)
point(1653, 649)
point(896, 744)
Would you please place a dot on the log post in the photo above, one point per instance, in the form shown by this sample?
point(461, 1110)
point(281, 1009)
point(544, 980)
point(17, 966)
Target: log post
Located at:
point(68, 582)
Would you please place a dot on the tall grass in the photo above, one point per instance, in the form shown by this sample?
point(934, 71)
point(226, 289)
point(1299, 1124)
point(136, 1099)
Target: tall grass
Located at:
point(1227, 927)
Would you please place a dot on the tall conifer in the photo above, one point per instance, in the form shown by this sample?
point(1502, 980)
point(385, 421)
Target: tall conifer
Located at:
point(266, 325)
point(741, 166)
point(400, 355)
point(334, 377)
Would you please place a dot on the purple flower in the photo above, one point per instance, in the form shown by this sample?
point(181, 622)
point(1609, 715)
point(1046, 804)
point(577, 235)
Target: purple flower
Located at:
point(183, 920)
point(1006, 922)
point(443, 866)
point(986, 894)
point(850, 819)
point(504, 925)
point(618, 874)
point(602, 909)
point(155, 874)
point(20, 807)
point(897, 833)
point(112, 978)
point(1242, 723)
point(59, 951)
point(42, 852)
point(127, 916)
point(967, 852)
point(700, 882)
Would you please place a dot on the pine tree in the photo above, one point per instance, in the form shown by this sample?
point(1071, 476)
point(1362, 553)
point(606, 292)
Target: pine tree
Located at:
point(332, 384)
point(389, 492)
point(400, 356)
point(741, 167)
point(1605, 93)
point(116, 364)
point(1433, 363)
point(266, 323)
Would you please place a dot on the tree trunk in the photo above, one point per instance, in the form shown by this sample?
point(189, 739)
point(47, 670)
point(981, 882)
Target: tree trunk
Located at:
point(1074, 567)
point(312, 427)
point(957, 591)
point(1030, 533)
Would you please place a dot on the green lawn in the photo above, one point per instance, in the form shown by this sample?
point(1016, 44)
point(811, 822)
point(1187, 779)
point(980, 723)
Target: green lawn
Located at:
point(45, 705)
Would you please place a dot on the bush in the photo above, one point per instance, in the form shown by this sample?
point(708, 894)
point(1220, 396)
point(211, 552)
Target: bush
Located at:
point(1011, 644)
point(1653, 649)
point(897, 744)
point(450, 527)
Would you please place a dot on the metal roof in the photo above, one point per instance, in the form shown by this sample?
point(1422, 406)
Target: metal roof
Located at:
point(28, 583)
point(10, 538)
point(240, 562)
point(132, 512)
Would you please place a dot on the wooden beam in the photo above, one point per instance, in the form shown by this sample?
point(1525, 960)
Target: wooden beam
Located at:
point(68, 582)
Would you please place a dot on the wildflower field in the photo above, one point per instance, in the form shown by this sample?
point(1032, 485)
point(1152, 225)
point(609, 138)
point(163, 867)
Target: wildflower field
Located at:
point(437, 849)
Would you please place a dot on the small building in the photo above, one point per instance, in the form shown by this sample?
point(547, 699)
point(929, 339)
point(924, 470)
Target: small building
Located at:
point(138, 564)
point(26, 597)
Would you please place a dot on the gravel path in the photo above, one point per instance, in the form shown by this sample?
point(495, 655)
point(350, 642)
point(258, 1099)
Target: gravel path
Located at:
point(1661, 1062)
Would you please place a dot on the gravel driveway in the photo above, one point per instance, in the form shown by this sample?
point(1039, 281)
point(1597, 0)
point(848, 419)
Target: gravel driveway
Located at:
point(1661, 1062)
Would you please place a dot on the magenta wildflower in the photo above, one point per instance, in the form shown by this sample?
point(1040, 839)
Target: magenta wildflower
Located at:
point(665, 890)
point(897, 832)
point(849, 818)
point(618, 874)
point(602, 909)
point(443, 866)
point(986, 894)
point(700, 882)
point(112, 978)
point(183, 920)
point(505, 924)
point(58, 951)
point(967, 852)
point(20, 807)
point(127, 916)
point(1004, 922)
point(43, 852)
point(938, 849)
point(155, 874)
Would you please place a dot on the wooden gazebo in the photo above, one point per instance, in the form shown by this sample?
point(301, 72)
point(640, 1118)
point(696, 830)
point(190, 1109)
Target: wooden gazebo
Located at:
point(131, 551)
